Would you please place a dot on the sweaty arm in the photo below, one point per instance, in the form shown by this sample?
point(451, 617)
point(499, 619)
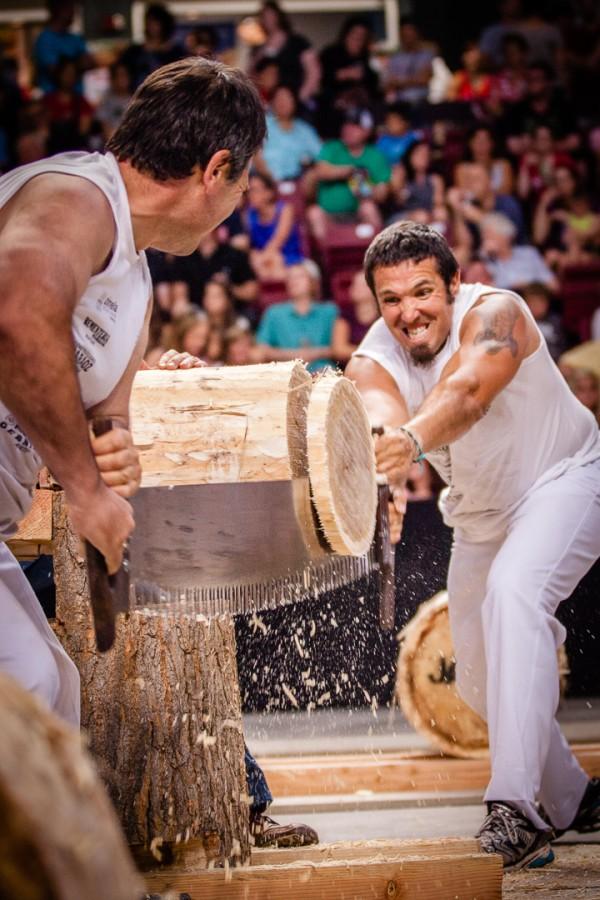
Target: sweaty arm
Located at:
point(495, 337)
point(55, 233)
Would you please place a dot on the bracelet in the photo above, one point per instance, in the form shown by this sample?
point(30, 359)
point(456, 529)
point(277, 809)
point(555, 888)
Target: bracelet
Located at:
point(419, 453)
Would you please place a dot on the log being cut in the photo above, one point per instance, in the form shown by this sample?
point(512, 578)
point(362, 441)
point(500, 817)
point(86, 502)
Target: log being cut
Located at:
point(243, 504)
point(258, 488)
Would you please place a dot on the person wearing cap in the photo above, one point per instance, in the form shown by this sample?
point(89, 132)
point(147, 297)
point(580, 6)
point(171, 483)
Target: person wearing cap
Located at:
point(352, 175)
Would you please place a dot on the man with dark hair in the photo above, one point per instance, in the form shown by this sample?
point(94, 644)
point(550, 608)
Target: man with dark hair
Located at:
point(76, 299)
point(460, 375)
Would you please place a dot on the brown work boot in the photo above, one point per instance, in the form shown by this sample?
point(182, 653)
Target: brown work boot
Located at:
point(268, 833)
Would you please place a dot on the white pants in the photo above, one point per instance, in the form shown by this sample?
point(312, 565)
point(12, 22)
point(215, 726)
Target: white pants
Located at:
point(29, 650)
point(503, 596)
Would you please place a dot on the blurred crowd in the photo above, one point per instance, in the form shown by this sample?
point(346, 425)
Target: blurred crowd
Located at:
point(502, 155)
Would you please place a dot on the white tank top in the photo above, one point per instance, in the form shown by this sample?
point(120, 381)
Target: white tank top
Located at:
point(106, 324)
point(534, 430)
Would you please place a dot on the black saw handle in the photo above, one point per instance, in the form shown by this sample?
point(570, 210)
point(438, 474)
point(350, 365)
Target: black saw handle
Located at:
point(385, 552)
point(109, 594)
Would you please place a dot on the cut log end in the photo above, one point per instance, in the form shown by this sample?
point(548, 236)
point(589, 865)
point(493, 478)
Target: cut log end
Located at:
point(342, 465)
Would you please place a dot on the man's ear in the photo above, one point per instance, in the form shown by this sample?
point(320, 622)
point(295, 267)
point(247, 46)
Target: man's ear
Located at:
point(455, 283)
point(217, 168)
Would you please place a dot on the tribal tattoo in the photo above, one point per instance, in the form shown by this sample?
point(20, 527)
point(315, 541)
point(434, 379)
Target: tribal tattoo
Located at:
point(497, 330)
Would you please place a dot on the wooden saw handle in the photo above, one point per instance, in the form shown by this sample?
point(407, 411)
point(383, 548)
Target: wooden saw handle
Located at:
point(385, 552)
point(109, 594)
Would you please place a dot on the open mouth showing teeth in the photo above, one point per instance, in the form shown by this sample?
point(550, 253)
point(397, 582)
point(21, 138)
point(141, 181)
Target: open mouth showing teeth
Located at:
point(416, 332)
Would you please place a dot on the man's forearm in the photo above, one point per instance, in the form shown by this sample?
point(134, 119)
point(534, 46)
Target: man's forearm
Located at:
point(447, 413)
point(38, 383)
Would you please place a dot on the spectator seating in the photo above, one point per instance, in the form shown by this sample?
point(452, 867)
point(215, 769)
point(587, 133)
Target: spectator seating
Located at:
point(580, 292)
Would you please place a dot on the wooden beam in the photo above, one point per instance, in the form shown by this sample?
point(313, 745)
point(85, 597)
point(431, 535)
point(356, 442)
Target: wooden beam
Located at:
point(349, 850)
point(389, 772)
point(474, 876)
point(35, 531)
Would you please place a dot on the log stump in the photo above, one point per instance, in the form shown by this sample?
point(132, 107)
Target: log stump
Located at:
point(163, 717)
point(60, 836)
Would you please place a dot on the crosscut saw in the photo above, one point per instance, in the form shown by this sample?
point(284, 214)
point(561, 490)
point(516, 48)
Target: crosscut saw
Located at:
point(208, 549)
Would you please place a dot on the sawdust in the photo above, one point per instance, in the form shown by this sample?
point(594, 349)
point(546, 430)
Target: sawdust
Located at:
point(574, 875)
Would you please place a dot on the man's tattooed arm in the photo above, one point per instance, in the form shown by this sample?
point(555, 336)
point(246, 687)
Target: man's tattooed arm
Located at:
point(497, 327)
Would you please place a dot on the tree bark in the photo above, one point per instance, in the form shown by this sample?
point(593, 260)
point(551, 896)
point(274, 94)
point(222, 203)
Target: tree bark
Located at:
point(60, 836)
point(163, 717)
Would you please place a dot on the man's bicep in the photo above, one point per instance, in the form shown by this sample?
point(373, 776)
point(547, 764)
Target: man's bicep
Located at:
point(382, 398)
point(493, 343)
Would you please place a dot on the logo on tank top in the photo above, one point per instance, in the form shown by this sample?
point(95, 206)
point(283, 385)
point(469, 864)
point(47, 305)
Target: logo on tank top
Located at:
point(98, 334)
point(107, 306)
point(10, 426)
point(83, 360)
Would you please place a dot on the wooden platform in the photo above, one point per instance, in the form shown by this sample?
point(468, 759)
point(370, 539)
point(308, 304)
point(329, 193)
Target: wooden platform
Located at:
point(411, 870)
point(290, 776)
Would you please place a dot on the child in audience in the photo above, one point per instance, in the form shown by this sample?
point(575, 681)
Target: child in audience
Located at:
point(274, 235)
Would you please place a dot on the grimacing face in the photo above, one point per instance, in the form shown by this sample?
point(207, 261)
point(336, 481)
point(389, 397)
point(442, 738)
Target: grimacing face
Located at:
point(415, 305)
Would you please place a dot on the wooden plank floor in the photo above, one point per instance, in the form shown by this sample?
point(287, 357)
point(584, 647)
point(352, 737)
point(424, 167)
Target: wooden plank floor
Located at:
point(388, 772)
point(464, 876)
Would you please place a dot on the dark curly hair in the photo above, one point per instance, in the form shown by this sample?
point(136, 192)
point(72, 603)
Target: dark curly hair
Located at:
point(409, 241)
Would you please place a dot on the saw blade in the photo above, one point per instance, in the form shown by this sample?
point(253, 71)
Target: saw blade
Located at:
point(215, 548)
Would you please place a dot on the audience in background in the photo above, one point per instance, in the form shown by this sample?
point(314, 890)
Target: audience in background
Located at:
point(347, 76)
point(418, 193)
point(504, 160)
point(297, 63)
point(511, 266)
point(304, 326)
point(408, 72)
point(159, 47)
point(110, 110)
point(353, 177)
point(272, 230)
point(396, 136)
point(353, 324)
point(539, 300)
point(291, 144)
point(57, 42)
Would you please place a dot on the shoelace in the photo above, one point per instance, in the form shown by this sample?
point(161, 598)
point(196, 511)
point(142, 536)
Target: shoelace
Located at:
point(501, 821)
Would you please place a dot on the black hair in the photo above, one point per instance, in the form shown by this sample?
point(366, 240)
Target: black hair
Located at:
point(542, 66)
point(283, 20)
point(513, 37)
point(166, 20)
point(267, 181)
point(398, 108)
point(409, 241)
point(407, 160)
point(353, 22)
point(185, 112)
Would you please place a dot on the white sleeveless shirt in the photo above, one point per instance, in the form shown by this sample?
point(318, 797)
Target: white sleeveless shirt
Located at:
point(106, 323)
point(534, 430)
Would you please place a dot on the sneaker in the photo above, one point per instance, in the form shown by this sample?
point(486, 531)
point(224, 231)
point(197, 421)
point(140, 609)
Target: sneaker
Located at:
point(588, 814)
point(507, 831)
point(268, 833)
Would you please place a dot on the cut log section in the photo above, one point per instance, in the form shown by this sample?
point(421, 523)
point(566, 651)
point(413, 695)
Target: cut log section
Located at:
point(342, 465)
point(426, 684)
point(218, 425)
point(163, 718)
point(60, 835)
